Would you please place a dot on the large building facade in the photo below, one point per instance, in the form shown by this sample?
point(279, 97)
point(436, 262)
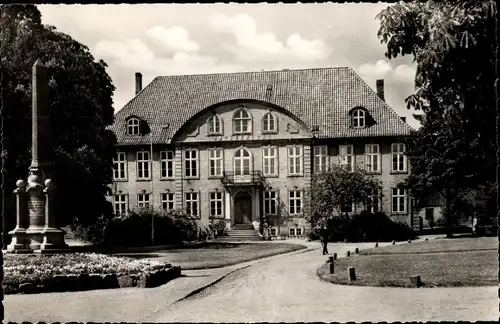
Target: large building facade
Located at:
point(243, 147)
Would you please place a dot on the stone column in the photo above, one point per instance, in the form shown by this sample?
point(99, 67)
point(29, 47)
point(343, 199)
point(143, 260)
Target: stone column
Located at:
point(20, 240)
point(53, 235)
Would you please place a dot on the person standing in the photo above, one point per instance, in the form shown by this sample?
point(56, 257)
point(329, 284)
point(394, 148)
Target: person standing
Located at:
point(324, 240)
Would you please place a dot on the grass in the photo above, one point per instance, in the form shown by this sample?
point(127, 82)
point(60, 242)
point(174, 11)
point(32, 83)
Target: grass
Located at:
point(220, 255)
point(440, 263)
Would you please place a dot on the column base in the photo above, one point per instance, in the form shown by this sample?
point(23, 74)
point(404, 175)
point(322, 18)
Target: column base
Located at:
point(20, 241)
point(53, 242)
point(36, 236)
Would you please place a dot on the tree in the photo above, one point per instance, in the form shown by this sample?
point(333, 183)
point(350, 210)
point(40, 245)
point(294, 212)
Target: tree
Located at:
point(337, 188)
point(80, 108)
point(453, 45)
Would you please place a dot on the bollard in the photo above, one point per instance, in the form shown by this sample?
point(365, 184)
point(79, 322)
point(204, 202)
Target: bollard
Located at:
point(415, 281)
point(356, 251)
point(330, 259)
point(409, 241)
point(393, 242)
point(332, 267)
point(426, 239)
point(348, 253)
point(352, 274)
point(335, 256)
point(376, 244)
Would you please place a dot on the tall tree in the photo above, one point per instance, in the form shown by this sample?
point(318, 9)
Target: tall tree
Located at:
point(453, 45)
point(80, 108)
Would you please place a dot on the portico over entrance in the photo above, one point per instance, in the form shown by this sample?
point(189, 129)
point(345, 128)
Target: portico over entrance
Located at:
point(243, 206)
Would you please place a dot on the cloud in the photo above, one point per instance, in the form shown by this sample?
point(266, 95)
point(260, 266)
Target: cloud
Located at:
point(254, 45)
point(377, 70)
point(405, 73)
point(174, 38)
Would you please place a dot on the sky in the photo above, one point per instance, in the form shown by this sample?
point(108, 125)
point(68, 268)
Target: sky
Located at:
point(170, 39)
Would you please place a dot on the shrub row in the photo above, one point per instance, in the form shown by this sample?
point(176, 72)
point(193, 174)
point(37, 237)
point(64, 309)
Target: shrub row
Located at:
point(365, 227)
point(84, 281)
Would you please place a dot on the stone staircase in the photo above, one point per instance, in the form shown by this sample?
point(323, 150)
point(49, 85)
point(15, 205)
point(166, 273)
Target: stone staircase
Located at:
point(240, 233)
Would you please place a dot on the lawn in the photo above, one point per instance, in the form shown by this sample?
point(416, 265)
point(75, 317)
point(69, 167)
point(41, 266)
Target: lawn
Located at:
point(219, 255)
point(440, 263)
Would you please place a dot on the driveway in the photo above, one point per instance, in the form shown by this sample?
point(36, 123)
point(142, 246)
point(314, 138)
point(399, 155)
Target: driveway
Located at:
point(279, 288)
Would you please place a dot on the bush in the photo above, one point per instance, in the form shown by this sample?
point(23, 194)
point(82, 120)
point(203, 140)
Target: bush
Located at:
point(220, 227)
point(93, 233)
point(486, 230)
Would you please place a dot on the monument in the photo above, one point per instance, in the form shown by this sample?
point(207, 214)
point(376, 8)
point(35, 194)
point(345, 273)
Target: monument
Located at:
point(35, 199)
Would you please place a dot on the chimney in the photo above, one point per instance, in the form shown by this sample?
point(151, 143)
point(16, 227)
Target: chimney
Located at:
point(403, 119)
point(138, 82)
point(380, 89)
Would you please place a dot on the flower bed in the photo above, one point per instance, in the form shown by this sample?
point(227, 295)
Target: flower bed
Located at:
point(29, 273)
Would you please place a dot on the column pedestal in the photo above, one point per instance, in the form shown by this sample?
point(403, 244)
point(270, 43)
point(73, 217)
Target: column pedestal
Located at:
point(20, 239)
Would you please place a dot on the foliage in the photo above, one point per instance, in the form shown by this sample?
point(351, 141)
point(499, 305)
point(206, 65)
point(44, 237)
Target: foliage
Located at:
point(93, 233)
point(220, 227)
point(81, 110)
point(19, 267)
point(336, 188)
point(454, 151)
point(169, 228)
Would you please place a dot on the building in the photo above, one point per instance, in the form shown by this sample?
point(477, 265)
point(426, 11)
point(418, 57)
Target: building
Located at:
point(241, 146)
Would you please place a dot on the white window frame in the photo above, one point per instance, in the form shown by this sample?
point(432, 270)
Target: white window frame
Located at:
point(168, 201)
point(398, 155)
point(191, 164)
point(239, 167)
point(133, 126)
point(372, 152)
point(215, 198)
point(143, 165)
point(291, 231)
point(267, 158)
point(398, 198)
point(295, 160)
point(320, 158)
point(298, 231)
point(295, 201)
point(359, 118)
point(215, 162)
point(215, 125)
point(167, 164)
point(269, 120)
point(144, 200)
point(120, 166)
point(346, 157)
point(190, 199)
point(275, 230)
point(270, 196)
point(239, 121)
point(120, 207)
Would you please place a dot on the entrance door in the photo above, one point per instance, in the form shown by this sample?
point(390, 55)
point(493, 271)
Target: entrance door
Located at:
point(243, 208)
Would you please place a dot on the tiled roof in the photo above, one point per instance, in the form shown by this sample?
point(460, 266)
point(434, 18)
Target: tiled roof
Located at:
point(319, 97)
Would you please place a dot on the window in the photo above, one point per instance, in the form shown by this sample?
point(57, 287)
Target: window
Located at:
point(270, 202)
point(241, 122)
point(270, 161)
point(143, 200)
point(429, 214)
point(269, 123)
point(167, 201)
point(373, 202)
point(133, 126)
point(191, 163)
point(398, 200)
point(398, 157)
point(120, 204)
point(372, 158)
point(242, 162)
point(215, 125)
point(320, 158)
point(143, 165)
point(216, 205)
point(120, 166)
point(295, 202)
point(295, 231)
point(294, 160)
point(346, 155)
point(298, 231)
point(291, 231)
point(274, 231)
point(167, 164)
point(192, 204)
point(358, 118)
point(215, 162)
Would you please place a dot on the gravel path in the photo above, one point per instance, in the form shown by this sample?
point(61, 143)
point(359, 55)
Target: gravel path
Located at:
point(287, 289)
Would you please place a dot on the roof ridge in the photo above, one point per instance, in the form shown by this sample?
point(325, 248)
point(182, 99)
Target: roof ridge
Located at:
point(248, 72)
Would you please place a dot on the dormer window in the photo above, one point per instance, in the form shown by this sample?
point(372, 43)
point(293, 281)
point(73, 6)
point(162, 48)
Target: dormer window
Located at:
point(215, 125)
point(269, 123)
point(358, 118)
point(133, 126)
point(242, 122)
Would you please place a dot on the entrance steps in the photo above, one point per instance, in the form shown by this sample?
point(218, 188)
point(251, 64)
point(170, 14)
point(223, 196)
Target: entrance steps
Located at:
point(240, 233)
